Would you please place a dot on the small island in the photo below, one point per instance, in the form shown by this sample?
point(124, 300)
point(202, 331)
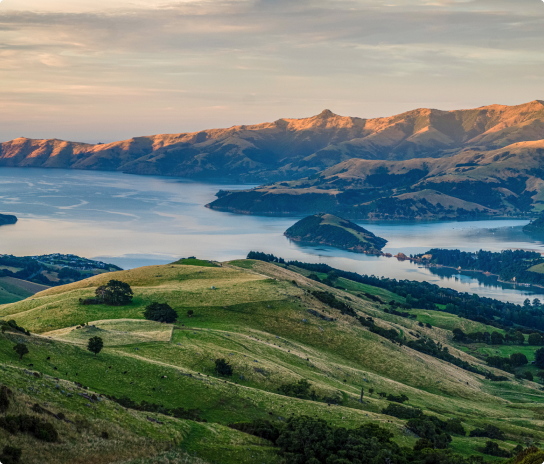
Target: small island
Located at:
point(327, 229)
point(536, 225)
point(6, 219)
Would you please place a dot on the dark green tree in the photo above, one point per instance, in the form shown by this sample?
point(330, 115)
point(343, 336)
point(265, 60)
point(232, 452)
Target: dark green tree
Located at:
point(117, 293)
point(540, 375)
point(190, 313)
point(518, 359)
point(11, 455)
point(497, 338)
point(160, 312)
point(223, 368)
point(21, 349)
point(535, 339)
point(519, 338)
point(528, 375)
point(95, 345)
point(539, 358)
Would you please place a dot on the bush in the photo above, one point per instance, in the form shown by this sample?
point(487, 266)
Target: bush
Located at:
point(31, 425)
point(489, 431)
point(528, 375)
point(5, 393)
point(223, 368)
point(430, 428)
point(539, 358)
point(11, 455)
point(492, 449)
point(160, 312)
point(259, 428)
point(300, 389)
point(397, 399)
point(402, 412)
point(456, 427)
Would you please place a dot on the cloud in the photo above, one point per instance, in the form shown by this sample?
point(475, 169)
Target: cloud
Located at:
point(286, 53)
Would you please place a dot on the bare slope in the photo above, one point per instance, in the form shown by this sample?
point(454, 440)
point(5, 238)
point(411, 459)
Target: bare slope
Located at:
point(291, 148)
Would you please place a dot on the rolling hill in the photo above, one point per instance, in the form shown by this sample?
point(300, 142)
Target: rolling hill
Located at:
point(291, 148)
point(153, 395)
point(474, 183)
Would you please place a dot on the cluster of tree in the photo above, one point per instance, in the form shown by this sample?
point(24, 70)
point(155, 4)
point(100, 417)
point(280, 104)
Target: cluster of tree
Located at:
point(507, 264)
point(402, 412)
point(473, 307)
point(331, 300)
point(507, 364)
point(179, 413)
point(306, 440)
point(31, 425)
point(114, 293)
point(268, 258)
point(494, 338)
point(492, 449)
point(160, 312)
point(11, 325)
point(489, 431)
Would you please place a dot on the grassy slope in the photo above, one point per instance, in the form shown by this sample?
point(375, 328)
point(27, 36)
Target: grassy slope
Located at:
point(11, 290)
point(254, 318)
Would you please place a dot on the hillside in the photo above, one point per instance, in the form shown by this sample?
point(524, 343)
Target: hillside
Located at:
point(473, 183)
point(535, 226)
point(153, 394)
point(327, 229)
point(291, 148)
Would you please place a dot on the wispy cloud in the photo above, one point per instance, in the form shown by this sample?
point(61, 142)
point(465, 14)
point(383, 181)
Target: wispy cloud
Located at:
point(364, 57)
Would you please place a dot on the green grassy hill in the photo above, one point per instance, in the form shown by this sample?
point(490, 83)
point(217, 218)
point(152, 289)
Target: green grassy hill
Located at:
point(264, 320)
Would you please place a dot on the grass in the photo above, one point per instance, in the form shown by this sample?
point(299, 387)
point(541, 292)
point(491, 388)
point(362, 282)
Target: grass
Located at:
point(10, 291)
point(257, 318)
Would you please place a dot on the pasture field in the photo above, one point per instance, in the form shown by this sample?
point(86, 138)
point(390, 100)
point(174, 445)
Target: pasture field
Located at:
point(255, 316)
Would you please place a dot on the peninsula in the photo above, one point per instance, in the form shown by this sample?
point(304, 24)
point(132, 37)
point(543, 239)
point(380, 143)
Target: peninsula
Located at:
point(6, 219)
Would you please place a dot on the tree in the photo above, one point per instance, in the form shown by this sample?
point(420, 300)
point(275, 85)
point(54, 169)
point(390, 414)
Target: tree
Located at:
point(370, 391)
point(536, 303)
point(95, 345)
point(223, 368)
point(190, 313)
point(535, 339)
point(21, 349)
point(528, 375)
point(527, 303)
point(518, 359)
point(540, 375)
point(160, 312)
point(117, 293)
point(519, 338)
point(539, 358)
point(497, 338)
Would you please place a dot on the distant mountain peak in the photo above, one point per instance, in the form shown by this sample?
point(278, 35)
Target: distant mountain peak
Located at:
point(326, 114)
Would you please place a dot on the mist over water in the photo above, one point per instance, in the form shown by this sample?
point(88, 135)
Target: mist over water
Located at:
point(142, 220)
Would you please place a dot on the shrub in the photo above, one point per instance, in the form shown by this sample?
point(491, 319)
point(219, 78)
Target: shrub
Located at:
point(259, 428)
point(300, 389)
point(431, 428)
point(492, 449)
point(489, 431)
point(539, 358)
point(223, 368)
point(518, 359)
point(456, 427)
point(402, 412)
point(160, 312)
point(528, 375)
point(5, 393)
point(397, 399)
point(11, 455)
point(31, 425)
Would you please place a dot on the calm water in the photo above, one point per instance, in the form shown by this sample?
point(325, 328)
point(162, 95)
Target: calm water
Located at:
point(139, 220)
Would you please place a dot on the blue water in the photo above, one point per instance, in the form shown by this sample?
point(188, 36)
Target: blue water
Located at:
point(141, 220)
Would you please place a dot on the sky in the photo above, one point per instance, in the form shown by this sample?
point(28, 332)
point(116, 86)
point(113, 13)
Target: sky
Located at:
point(105, 70)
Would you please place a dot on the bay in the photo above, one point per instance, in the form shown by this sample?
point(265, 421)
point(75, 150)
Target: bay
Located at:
point(134, 221)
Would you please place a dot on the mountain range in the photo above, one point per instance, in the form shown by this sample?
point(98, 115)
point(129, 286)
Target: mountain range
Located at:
point(289, 149)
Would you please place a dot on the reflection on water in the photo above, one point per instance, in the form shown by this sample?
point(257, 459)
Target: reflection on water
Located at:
point(139, 220)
